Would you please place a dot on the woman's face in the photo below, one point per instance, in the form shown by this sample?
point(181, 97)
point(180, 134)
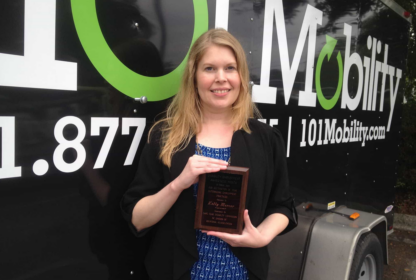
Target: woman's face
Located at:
point(217, 78)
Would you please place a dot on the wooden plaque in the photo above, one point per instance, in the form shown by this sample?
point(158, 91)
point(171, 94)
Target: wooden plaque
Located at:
point(221, 200)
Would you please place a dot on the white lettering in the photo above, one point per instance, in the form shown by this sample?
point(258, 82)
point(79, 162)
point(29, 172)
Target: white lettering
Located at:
point(330, 131)
point(263, 93)
point(221, 13)
point(347, 100)
point(38, 67)
point(393, 94)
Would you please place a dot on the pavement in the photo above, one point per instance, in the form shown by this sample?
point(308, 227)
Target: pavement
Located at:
point(405, 222)
point(402, 249)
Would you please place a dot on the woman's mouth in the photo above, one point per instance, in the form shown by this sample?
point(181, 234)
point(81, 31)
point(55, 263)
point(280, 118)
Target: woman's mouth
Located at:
point(220, 92)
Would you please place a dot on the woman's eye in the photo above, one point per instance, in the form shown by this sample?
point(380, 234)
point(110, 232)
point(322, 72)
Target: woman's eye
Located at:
point(209, 68)
point(231, 68)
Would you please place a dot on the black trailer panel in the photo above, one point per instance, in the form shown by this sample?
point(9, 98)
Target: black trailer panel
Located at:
point(69, 127)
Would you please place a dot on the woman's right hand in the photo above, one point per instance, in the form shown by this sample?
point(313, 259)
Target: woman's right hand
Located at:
point(196, 166)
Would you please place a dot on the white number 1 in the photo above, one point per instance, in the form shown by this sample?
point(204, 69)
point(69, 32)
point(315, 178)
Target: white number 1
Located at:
point(37, 68)
point(8, 168)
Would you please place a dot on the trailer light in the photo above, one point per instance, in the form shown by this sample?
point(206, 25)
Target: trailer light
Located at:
point(406, 14)
point(309, 206)
point(354, 216)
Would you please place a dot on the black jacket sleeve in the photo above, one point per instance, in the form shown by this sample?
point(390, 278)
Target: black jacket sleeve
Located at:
point(148, 181)
point(281, 200)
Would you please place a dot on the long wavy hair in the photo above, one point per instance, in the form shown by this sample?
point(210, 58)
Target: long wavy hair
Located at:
point(184, 117)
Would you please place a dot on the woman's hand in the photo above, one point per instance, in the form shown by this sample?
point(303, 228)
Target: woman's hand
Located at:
point(251, 236)
point(196, 166)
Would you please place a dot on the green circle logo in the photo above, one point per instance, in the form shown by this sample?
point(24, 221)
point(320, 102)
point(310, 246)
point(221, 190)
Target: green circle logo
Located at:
point(327, 50)
point(113, 70)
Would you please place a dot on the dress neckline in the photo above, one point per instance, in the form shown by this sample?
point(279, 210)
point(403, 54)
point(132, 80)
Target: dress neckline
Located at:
point(203, 146)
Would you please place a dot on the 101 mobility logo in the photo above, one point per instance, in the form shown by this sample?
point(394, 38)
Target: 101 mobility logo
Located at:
point(37, 68)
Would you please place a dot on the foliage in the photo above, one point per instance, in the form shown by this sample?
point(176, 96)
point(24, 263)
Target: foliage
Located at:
point(405, 202)
point(407, 158)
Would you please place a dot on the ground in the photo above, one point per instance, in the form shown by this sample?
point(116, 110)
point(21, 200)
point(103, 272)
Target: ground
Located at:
point(402, 256)
point(402, 244)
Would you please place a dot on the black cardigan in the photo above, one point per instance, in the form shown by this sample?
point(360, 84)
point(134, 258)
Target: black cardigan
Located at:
point(173, 250)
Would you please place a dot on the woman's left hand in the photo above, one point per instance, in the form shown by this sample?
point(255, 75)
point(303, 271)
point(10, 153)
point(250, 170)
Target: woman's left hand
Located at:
point(251, 236)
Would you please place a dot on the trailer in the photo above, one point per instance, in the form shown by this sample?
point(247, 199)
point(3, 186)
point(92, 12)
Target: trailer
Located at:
point(82, 82)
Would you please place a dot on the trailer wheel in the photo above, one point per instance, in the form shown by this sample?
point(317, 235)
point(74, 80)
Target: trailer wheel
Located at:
point(368, 259)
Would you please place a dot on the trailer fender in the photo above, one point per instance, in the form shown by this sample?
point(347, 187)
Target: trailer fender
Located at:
point(333, 241)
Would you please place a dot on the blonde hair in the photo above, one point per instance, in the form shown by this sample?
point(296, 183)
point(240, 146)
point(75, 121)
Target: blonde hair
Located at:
point(184, 115)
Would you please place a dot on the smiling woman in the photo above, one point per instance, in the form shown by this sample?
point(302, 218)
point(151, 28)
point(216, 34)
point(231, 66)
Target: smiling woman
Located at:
point(218, 81)
point(210, 118)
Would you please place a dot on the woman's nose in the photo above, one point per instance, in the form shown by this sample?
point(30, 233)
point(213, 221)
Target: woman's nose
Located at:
point(220, 77)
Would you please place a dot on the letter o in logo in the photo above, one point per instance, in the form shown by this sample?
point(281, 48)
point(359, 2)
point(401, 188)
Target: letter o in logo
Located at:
point(113, 70)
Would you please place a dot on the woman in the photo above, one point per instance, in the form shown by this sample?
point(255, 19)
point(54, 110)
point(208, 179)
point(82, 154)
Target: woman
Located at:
point(212, 111)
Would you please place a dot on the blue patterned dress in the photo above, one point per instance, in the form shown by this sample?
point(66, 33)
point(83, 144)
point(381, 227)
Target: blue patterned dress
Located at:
point(216, 261)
